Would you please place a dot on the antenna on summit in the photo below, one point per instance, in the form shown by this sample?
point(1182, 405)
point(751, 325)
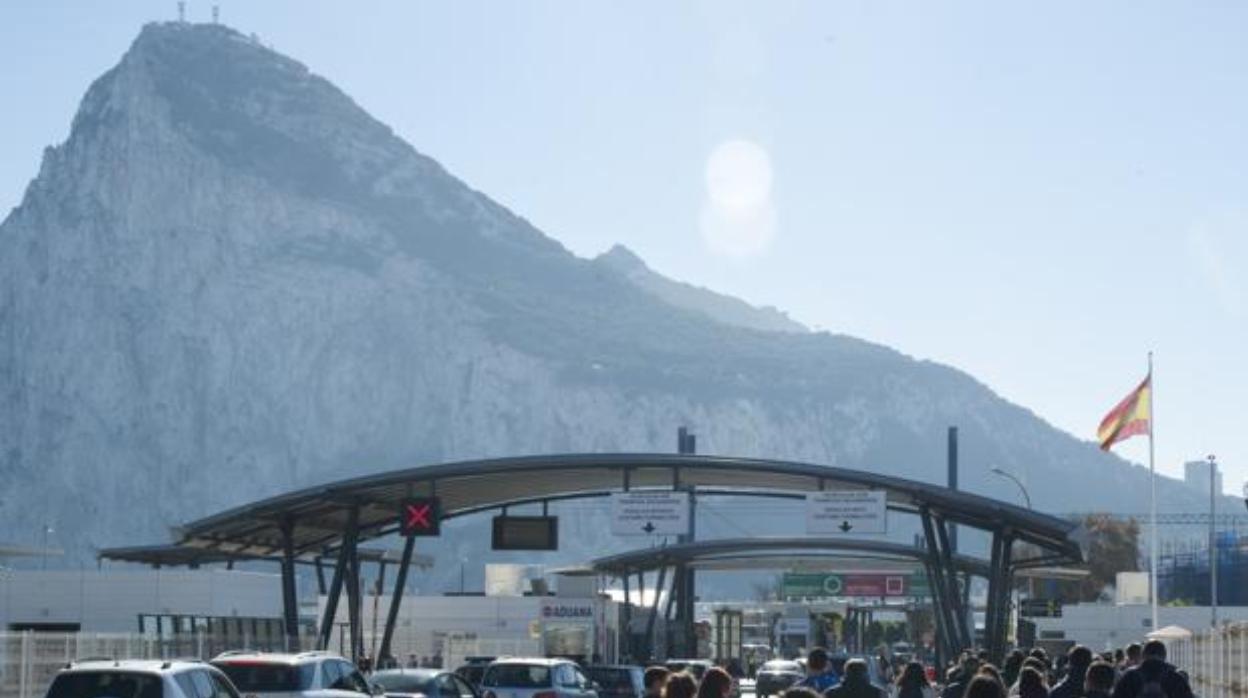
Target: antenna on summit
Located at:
point(181, 11)
point(216, 14)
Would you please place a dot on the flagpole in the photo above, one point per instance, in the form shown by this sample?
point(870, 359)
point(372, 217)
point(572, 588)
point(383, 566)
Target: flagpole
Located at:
point(1152, 476)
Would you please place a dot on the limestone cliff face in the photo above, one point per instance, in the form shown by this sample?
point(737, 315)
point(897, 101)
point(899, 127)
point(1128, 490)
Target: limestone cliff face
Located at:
point(230, 281)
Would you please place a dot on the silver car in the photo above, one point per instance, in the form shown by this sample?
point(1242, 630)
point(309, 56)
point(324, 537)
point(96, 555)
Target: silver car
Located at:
point(423, 683)
point(536, 678)
point(302, 675)
point(140, 679)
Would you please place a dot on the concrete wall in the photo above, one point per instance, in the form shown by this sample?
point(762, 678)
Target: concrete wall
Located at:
point(111, 600)
point(1107, 626)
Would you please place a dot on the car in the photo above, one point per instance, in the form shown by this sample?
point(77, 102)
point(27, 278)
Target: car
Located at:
point(423, 683)
point(776, 676)
point(303, 674)
point(619, 681)
point(140, 679)
point(536, 678)
point(473, 669)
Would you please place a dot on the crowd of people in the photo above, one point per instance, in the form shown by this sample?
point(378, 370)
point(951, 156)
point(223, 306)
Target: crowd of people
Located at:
point(1137, 671)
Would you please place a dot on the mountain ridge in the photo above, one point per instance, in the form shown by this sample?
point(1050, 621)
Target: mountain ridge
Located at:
point(230, 281)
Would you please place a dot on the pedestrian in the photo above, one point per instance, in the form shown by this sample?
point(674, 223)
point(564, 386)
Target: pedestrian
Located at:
point(1135, 654)
point(1153, 678)
point(856, 683)
point(680, 684)
point(654, 678)
point(819, 674)
point(1078, 659)
point(991, 670)
point(1099, 680)
point(1013, 665)
point(957, 685)
point(984, 686)
point(912, 683)
point(1031, 684)
point(716, 683)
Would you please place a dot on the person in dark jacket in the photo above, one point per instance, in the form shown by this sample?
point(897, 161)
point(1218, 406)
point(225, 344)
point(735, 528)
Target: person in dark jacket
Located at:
point(1013, 665)
point(1031, 684)
point(957, 687)
point(984, 686)
point(1099, 680)
point(856, 683)
point(1078, 659)
point(1153, 676)
point(654, 678)
point(913, 682)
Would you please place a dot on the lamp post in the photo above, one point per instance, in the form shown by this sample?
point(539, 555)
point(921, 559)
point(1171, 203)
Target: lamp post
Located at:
point(1021, 488)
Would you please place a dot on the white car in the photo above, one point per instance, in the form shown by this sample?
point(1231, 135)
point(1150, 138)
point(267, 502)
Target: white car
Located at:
point(303, 675)
point(140, 679)
point(536, 678)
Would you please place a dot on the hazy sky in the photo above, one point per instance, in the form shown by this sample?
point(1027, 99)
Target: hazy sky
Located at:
point(1035, 193)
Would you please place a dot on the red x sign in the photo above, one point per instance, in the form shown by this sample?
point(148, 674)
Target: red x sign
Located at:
point(420, 516)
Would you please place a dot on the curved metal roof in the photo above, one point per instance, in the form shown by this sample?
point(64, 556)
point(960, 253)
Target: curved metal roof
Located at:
point(319, 514)
point(748, 553)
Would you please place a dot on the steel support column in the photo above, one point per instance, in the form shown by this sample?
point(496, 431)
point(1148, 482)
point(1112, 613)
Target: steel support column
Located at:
point(290, 602)
point(956, 608)
point(940, 585)
point(999, 582)
point(626, 646)
point(944, 645)
point(654, 614)
point(320, 575)
point(340, 571)
point(400, 583)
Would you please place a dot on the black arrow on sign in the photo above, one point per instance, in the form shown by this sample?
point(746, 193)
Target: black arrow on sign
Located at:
point(845, 526)
point(648, 528)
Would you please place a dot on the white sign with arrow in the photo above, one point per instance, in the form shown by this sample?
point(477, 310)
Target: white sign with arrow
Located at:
point(847, 511)
point(649, 513)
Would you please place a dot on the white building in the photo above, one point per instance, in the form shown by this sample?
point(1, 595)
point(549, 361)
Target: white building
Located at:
point(1196, 476)
point(117, 601)
point(453, 627)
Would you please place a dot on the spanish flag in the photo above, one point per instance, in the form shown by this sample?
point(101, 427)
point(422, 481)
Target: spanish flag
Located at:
point(1129, 417)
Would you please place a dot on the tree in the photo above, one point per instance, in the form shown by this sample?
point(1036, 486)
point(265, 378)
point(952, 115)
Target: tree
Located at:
point(1113, 546)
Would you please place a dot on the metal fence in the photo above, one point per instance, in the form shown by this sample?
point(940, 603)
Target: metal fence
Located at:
point(29, 660)
point(1216, 660)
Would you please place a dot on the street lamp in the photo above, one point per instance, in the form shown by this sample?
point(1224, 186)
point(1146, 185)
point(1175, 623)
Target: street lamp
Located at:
point(1021, 488)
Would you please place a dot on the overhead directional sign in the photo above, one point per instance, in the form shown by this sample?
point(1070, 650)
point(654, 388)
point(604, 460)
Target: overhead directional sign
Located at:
point(650, 513)
point(420, 516)
point(873, 584)
point(847, 511)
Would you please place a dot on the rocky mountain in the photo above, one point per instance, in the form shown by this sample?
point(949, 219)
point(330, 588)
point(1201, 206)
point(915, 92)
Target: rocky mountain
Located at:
point(230, 281)
point(726, 309)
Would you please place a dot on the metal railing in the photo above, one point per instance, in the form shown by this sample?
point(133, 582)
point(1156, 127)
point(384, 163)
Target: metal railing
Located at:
point(1216, 660)
point(29, 660)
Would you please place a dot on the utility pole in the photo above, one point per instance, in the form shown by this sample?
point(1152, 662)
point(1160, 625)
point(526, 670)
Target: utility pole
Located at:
point(1213, 540)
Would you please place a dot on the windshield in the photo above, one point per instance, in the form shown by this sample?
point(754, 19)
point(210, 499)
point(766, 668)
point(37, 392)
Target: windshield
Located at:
point(268, 677)
point(517, 676)
point(782, 666)
point(395, 682)
point(106, 684)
